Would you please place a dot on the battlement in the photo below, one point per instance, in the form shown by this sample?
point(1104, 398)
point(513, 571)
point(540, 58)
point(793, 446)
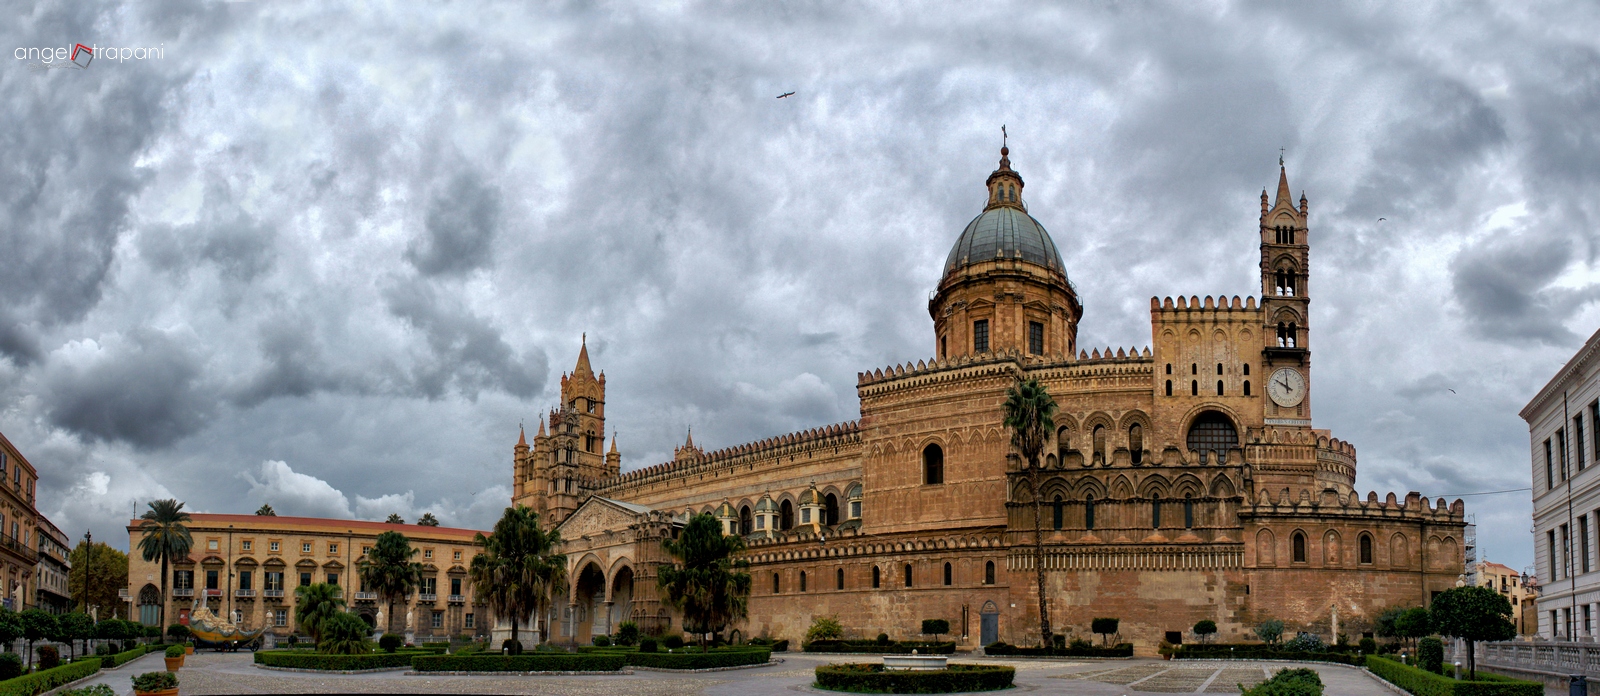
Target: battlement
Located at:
point(1221, 303)
point(834, 435)
point(1416, 507)
point(1000, 359)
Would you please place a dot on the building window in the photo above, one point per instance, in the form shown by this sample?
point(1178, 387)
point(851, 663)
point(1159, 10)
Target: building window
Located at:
point(761, 521)
point(1155, 514)
point(1169, 387)
point(1098, 442)
point(1365, 543)
point(785, 515)
point(908, 575)
point(932, 465)
point(1194, 387)
point(1056, 508)
point(244, 545)
point(468, 620)
point(1247, 387)
point(855, 509)
point(427, 553)
point(438, 619)
point(1188, 511)
point(1035, 338)
point(183, 579)
point(272, 546)
point(1561, 451)
point(333, 549)
point(211, 544)
point(212, 578)
point(941, 347)
point(1219, 387)
point(1299, 547)
point(1136, 444)
point(1550, 539)
point(244, 580)
point(1247, 369)
point(333, 578)
point(802, 581)
point(980, 336)
point(777, 584)
point(1213, 432)
point(838, 578)
point(948, 575)
point(988, 572)
point(274, 581)
point(877, 577)
point(746, 521)
point(455, 586)
point(280, 617)
point(1583, 544)
point(305, 579)
point(305, 547)
point(1169, 368)
point(1549, 466)
point(1088, 512)
point(805, 515)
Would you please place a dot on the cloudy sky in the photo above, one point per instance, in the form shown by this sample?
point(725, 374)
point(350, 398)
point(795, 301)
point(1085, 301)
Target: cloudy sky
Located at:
point(328, 256)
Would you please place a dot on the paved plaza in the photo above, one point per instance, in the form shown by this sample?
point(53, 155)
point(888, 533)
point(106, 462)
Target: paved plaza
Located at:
point(213, 674)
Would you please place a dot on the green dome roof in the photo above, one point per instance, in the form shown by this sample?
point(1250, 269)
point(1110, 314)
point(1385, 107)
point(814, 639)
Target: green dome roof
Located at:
point(1004, 232)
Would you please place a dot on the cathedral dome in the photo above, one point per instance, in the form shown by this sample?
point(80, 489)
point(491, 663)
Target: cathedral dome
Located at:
point(1004, 232)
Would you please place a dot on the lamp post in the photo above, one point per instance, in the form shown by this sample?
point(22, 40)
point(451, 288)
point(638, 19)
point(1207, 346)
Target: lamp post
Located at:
point(88, 568)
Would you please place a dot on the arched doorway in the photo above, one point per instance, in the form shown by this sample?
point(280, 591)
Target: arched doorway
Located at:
point(989, 624)
point(589, 593)
point(830, 509)
point(621, 597)
point(150, 605)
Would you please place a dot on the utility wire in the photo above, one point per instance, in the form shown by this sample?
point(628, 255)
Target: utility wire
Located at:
point(1508, 490)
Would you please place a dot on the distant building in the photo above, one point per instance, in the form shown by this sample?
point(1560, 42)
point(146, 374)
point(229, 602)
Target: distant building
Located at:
point(55, 565)
point(19, 557)
point(1515, 588)
point(1563, 450)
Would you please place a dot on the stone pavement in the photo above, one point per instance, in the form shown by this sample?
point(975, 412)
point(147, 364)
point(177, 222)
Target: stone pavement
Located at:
point(213, 674)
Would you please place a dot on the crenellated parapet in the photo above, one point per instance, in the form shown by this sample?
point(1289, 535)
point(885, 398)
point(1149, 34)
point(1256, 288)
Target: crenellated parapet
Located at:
point(826, 437)
point(1186, 308)
point(1414, 508)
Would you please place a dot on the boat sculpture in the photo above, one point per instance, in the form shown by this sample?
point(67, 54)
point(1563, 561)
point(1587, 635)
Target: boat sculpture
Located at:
point(210, 630)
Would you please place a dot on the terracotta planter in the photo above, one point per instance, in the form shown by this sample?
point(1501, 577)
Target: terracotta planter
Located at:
point(164, 692)
point(173, 663)
point(187, 650)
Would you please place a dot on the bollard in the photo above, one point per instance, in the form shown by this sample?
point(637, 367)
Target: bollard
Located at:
point(1579, 686)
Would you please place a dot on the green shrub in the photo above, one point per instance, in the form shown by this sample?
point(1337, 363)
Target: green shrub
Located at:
point(875, 647)
point(49, 657)
point(1424, 683)
point(345, 633)
point(1270, 631)
point(776, 645)
point(1305, 642)
point(10, 665)
point(121, 658)
point(441, 644)
point(824, 628)
point(300, 659)
point(694, 659)
point(873, 678)
point(102, 649)
point(155, 681)
point(627, 633)
point(1368, 646)
point(175, 651)
point(178, 632)
point(647, 645)
point(1298, 681)
point(673, 642)
point(536, 662)
point(1001, 648)
point(1205, 628)
point(388, 642)
point(90, 690)
point(1080, 644)
point(45, 680)
point(935, 627)
point(1430, 654)
point(601, 640)
point(883, 639)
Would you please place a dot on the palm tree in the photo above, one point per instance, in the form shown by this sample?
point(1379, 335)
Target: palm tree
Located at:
point(706, 583)
point(427, 520)
point(1030, 414)
point(165, 538)
point(389, 571)
point(314, 604)
point(395, 518)
point(519, 568)
point(266, 510)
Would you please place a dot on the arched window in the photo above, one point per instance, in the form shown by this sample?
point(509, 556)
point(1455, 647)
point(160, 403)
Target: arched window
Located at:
point(838, 578)
point(1219, 368)
point(988, 572)
point(1169, 368)
point(1247, 387)
point(1088, 511)
point(1247, 369)
point(854, 496)
point(1299, 547)
point(1219, 387)
point(1169, 387)
point(949, 577)
point(830, 509)
point(941, 347)
point(802, 581)
point(1064, 443)
point(785, 515)
point(1294, 335)
point(877, 577)
point(1099, 444)
point(1136, 443)
point(1194, 387)
point(1155, 514)
point(1188, 511)
point(1213, 432)
point(1283, 341)
point(1194, 368)
point(777, 583)
point(908, 575)
point(932, 465)
point(746, 521)
point(1365, 544)
point(1056, 507)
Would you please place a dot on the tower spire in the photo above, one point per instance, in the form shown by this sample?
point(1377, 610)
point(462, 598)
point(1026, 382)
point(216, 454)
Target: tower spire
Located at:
point(1283, 197)
point(583, 359)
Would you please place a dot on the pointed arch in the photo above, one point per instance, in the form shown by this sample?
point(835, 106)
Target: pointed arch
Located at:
point(1188, 484)
point(1153, 486)
point(1089, 485)
point(1266, 549)
point(1222, 487)
point(1121, 488)
point(1332, 549)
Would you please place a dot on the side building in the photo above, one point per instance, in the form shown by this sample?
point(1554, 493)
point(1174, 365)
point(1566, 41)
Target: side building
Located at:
point(247, 566)
point(1563, 451)
point(19, 555)
point(52, 593)
point(1521, 590)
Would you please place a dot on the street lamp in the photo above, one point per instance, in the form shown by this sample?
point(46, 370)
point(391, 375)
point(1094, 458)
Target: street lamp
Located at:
point(88, 568)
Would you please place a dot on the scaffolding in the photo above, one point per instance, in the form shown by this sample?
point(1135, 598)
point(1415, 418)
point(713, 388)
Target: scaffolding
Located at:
point(1469, 550)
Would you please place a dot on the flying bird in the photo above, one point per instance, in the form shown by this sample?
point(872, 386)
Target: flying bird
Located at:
point(1382, 219)
point(786, 94)
point(1452, 391)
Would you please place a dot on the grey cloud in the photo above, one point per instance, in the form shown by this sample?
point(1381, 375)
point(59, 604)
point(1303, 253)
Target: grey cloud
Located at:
point(466, 352)
point(142, 389)
point(1503, 286)
point(459, 229)
point(240, 246)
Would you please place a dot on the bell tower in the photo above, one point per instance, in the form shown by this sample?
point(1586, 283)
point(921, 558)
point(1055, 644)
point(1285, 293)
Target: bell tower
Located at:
point(1285, 303)
point(555, 474)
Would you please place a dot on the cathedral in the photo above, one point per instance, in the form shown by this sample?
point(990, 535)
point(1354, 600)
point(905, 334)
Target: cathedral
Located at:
point(1183, 481)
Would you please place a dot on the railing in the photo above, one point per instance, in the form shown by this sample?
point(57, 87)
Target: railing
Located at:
point(272, 594)
point(366, 596)
point(428, 597)
point(457, 598)
point(244, 593)
point(122, 593)
point(1562, 657)
point(183, 591)
point(16, 546)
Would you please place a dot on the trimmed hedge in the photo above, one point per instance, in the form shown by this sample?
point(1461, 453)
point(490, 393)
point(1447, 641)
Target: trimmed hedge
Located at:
point(873, 678)
point(1118, 650)
point(874, 647)
point(122, 658)
point(300, 659)
point(776, 645)
point(45, 680)
point(695, 659)
point(527, 662)
point(1424, 683)
point(1255, 651)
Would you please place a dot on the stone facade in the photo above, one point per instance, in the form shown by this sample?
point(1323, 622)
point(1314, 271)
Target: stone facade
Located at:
point(19, 529)
point(1184, 481)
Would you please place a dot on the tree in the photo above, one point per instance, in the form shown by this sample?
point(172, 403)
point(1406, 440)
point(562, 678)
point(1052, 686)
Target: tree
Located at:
point(266, 510)
point(395, 518)
point(343, 633)
point(1473, 613)
point(519, 569)
point(75, 626)
point(105, 570)
point(37, 625)
point(10, 628)
point(314, 604)
point(1030, 414)
point(389, 571)
point(824, 628)
point(1385, 627)
point(935, 627)
point(1414, 623)
point(1270, 631)
point(427, 520)
point(1104, 627)
point(165, 539)
point(707, 583)
point(1205, 628)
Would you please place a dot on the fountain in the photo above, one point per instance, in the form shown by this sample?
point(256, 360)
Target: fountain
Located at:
point(915, 662)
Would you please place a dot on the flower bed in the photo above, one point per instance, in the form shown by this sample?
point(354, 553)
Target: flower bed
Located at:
point(1255, 651)
point(870, 678)
point(1118, 650)
point(527, 662)
point(45, 680)
point(1425, 683)
point(694, 659)
point(876, 648)
point(300, 659)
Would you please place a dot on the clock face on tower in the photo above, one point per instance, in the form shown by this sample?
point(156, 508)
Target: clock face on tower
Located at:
point(1287, 387)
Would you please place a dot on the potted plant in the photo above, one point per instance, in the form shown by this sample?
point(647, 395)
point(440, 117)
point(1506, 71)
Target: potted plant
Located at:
point(156, 684)
point(174, 657)
point(1166, 649)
